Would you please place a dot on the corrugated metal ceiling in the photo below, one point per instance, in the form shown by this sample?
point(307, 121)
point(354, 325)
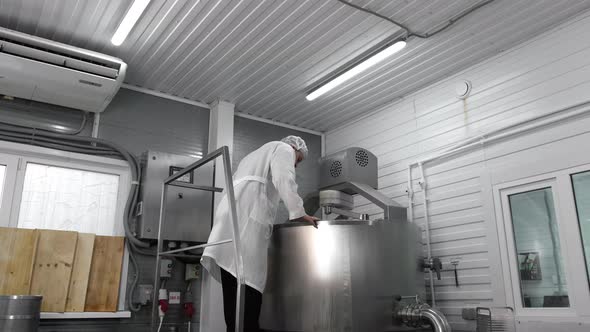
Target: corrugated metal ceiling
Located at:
point(265, 55)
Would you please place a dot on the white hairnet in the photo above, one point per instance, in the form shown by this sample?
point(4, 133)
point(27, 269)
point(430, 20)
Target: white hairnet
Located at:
point(297, 142)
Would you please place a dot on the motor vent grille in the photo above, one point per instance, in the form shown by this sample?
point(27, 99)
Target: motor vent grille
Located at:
point(336, 169)
point(362, 158)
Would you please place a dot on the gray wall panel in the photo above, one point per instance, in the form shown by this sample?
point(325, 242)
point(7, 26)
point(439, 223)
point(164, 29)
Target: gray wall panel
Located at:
point(141, 122)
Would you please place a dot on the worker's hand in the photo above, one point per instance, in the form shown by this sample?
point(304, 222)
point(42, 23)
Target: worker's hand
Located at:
point(309, 219)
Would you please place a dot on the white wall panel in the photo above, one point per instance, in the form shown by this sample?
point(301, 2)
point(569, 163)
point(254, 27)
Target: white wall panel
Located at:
point(544, 75)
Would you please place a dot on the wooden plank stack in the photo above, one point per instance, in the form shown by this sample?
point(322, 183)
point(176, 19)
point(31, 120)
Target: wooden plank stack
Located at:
point(18, 248)
point(80, 273)
point(74, 272)
point(103, 287)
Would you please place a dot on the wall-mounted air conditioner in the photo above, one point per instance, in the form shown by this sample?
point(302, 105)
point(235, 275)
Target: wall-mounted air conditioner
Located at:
point(41, 70)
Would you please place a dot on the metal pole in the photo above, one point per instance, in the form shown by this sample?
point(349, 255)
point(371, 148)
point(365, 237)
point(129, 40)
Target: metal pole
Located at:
point(158, 259)
point(164, 253)
point(236, 237)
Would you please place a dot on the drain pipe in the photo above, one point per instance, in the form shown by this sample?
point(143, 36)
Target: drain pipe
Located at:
point(410, 192)
point(417, 314)
point(427, 230)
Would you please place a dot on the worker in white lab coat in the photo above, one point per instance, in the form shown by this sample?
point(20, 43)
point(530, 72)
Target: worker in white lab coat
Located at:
point(262, 179)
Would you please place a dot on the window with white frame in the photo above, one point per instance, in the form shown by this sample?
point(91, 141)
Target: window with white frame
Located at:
point(51, 189)
point(538, 249)
point(69, 199)
point(544, 225)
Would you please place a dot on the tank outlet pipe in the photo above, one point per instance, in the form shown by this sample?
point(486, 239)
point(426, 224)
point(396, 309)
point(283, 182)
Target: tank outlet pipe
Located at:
point(418, 314)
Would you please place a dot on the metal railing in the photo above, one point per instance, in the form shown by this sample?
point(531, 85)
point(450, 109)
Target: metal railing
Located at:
point(171, 181)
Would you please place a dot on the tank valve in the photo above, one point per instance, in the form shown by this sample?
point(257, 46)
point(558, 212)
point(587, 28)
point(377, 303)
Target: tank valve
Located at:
point(434, 264)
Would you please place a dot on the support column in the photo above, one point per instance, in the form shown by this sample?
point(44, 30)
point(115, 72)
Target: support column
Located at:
point(221, 133)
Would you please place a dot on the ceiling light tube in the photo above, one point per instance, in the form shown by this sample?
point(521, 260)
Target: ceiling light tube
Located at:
point(129, 21)
point(359, 68)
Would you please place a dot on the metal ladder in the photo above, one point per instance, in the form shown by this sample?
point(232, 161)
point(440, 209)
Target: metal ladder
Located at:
point(222, 152)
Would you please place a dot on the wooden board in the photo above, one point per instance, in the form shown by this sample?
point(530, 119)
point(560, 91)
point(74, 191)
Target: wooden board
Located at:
point(80, 273)
point(105, 274)
point(53, 268)
point(17, 256)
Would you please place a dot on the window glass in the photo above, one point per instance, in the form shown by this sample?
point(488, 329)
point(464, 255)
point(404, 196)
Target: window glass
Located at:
point(581, 184)
point(538, 249)
point(68, 199)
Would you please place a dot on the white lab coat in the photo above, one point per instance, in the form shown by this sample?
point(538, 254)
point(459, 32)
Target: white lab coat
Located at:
point(262, 178)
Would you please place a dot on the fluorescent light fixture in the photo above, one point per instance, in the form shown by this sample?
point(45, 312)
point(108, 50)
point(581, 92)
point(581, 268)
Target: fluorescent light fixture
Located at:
point(359, 68)
point(129, 21)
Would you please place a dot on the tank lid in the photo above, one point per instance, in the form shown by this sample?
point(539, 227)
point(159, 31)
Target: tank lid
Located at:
point(346, 222)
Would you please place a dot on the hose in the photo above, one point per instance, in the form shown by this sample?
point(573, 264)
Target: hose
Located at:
point(411, 33)
point(134, 281)
point(160, 325)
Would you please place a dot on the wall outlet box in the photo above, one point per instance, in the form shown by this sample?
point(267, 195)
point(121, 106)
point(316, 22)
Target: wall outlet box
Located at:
point(144, 294)
point(166, 268)
point(192, 272)
point(174, 297)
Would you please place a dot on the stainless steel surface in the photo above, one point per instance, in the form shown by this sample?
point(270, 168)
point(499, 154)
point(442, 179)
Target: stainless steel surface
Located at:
point(354, 171)
point(437, 320)
point(346, 213)
point(181, 175)
point(349, 165)
point(391, 210)
point(335, 198)
point(189, 210)
point(343, 276)
point(418, 314)
point(264, 54)
point(20, 313)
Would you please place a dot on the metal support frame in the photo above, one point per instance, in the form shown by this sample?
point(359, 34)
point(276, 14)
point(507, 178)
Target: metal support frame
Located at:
point(171, 181)
point(391, 210)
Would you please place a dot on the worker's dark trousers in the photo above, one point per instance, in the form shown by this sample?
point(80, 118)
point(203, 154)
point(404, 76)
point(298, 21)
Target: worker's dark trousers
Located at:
point(252, 304)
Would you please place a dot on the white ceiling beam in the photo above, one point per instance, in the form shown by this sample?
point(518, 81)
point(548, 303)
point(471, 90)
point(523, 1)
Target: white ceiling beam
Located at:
point(206, 106)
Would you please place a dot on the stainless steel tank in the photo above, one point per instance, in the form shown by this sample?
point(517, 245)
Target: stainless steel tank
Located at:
point(20, 313)
point(343, 276)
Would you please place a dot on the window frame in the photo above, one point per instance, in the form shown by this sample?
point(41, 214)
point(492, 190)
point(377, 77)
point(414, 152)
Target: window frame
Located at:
point(570, 242)
point(18, 155)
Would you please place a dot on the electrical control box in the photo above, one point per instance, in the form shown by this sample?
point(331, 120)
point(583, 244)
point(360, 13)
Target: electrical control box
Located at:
point(189, 211)
point(166, 268)
point(192, 272)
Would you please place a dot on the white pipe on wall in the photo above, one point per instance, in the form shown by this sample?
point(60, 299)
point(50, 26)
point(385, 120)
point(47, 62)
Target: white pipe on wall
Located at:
point(427, 230)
